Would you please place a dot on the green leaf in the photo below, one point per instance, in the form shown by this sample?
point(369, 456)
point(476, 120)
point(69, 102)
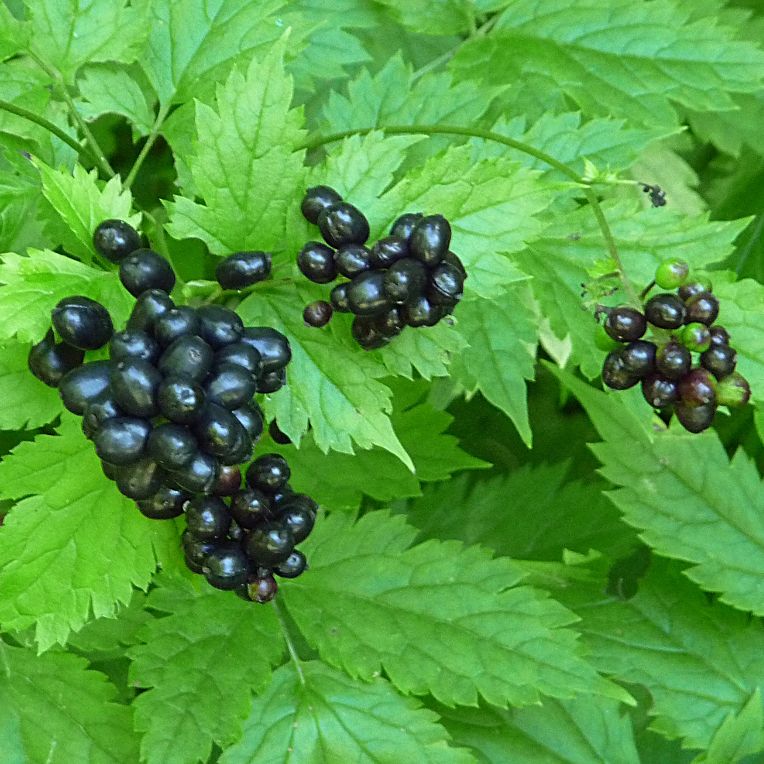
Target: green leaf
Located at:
point(436, 16)
point(575, 515)
point(700, 661)
point(426, 350)
point(91, 545)
point(369, 602)
point(332, 382)
point(581, 731)
point(20, 225)
point(81, 204)
point(70, 34)
point(33, 285)
point(193, 45)
point(202, 662)
point(25, 403)
point(108, 89)
point(502, 336)
point(320, 715)
point(716, 524)
point(246, 169)
point(632, 60)
point(82, 723)
point(740, 735)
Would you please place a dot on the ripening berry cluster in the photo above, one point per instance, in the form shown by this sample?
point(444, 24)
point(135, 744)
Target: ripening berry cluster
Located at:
point(409, 278)
point(172, 417)
point(688, 364)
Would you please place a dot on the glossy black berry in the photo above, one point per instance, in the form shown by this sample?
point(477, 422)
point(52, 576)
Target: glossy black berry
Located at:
point(196, 551)
point(268, 473)
point(98, 411)
point(430, 239)
point(250, 507)
point(180, 399)
point(82, 385)
point(273, 346)
point(171, 445)
point(110, 470)
point(235, 531)
point(666, 311)
point(638, 358)
point(317, 314)
point(390, 323)
point(176, 323)
point(278, 435)
point(659, 391)
point(139, 480)
point(251, 418)
point(189, 357)
point(271, 381)
point(230, 386)
point(615, 374)
point(293, 566)
point(218, 431)
point(720, 360)
point(366, 333)
point(625, 324)
point(134, 385)
point(151, 304)
point(404, 280)
point(403, 227)
point(690, 289)
point(388, 250)
point(115, 239)
point(219, 326)
point(316, 200)
point(226, 566)
point(719, 335)
point(702, 307)
point(453, 259)
point(733, 391)
point(316, 263)
point(262, 589)
point(145, 269)
point(49, 361)
point(240, 354)
point(339, 298)
point(228, 481)
point(697, 388)
point(298, 519)
point(366, 294)
point(446, 284)
point(422, 312)
point(673, 360)
point(342, 223)
point(208, 518)
point(197, 475)
point(695, 418)
point(133, 343)
point(122, 440)
point(165, 504)
point(269, 544)
point(242, 269)
point(352, 259)
point(82, 322)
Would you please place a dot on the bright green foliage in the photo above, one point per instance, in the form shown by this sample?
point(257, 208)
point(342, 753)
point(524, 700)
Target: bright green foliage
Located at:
point(19, 200)
point(24, 404)
point(203, 660)
point(370, 602)
point(739, 736)
point(439, 17)
point(702, 662)
point(245, 168)
point(81, 721)
point(321, 716)
point(91, 544)
point(635, 58)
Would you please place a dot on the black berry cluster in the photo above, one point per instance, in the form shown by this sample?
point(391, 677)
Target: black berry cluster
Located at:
point(172, 417)
point(687, 365)
point(409, 278)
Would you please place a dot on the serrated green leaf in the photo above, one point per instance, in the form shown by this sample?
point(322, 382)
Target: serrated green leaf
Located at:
point(81, 204)
point(320, 716)
point(700, 661)
point(739, 736)
point(332, 382)
point(82, 723)
point(70, 34)
point(193, 44)
point(437, 17)
point(717, 524)
point(631, 60)
point(581, 731)
point(20, 225)
point(31, 287)
point(438, 617)
point(25, 403)
point(246, 169)
point(91, 545)
point(202, 662)
point(502, 335)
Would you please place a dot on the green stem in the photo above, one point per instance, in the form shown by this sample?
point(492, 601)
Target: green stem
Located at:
point(19, 111)
point(288, 639)
point(150, 140)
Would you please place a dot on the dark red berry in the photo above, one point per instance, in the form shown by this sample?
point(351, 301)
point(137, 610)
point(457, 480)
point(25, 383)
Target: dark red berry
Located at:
point(228, 481)
point(690, 289)
point(697, 388)
point(262, 589)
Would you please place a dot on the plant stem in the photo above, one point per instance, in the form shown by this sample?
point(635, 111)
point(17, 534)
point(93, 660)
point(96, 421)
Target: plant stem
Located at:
point(150, 139)
point(644, 292)
point(288, 639)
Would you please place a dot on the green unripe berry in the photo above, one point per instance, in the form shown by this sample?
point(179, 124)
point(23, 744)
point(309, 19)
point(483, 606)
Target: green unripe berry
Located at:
point(604, 341)
point(733, 391)
point(696, 337)
point(672, 273)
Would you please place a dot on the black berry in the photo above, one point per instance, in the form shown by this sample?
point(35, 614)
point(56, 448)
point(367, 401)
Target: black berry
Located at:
point(317, 314)
point(271, 381)
point(82, 322)
point(149, 306)
point(342, 223)
point(293, 566)
point(659, 391)
point(404, 280)
point(318, 199)
point(228, 481)
point(316, 263)
point(171, 445)
point(638, 358)
point(242, 269)
point(165, 504)
point(695, 418)
point(403, 227)
point(197, 475)
point(719, 335)
point(298, 519)
point(697, 388)
point(219, 432)
point(139, 480)
point(82, 385)
point(366, 294)
point(273, 346)
point(269, 544)
point(625, 324)
point(208, 518)
point(180, 399)
point(240, 354)
point(196, 551)
point(251, 418)
point(176, 323)
point(339, 298)
point(230, 386)
point(219, 326)
point(430, 239)
point(134, 385)
point(122, 440)
point(615, 374)
point(702, 307)
point(446, 284)
point(133, 344)
point(250, 507)
point(690, 289)
point(720, 360)
point(268, 473)
point(422, 312)
point(352, 259)
point(189, 357)
point(673, 360)
point(98, 411)
point(115, 239)
point(226, 566)
point(49, 361)
point(388, 250)
point(666, 311)
point(145, 269)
